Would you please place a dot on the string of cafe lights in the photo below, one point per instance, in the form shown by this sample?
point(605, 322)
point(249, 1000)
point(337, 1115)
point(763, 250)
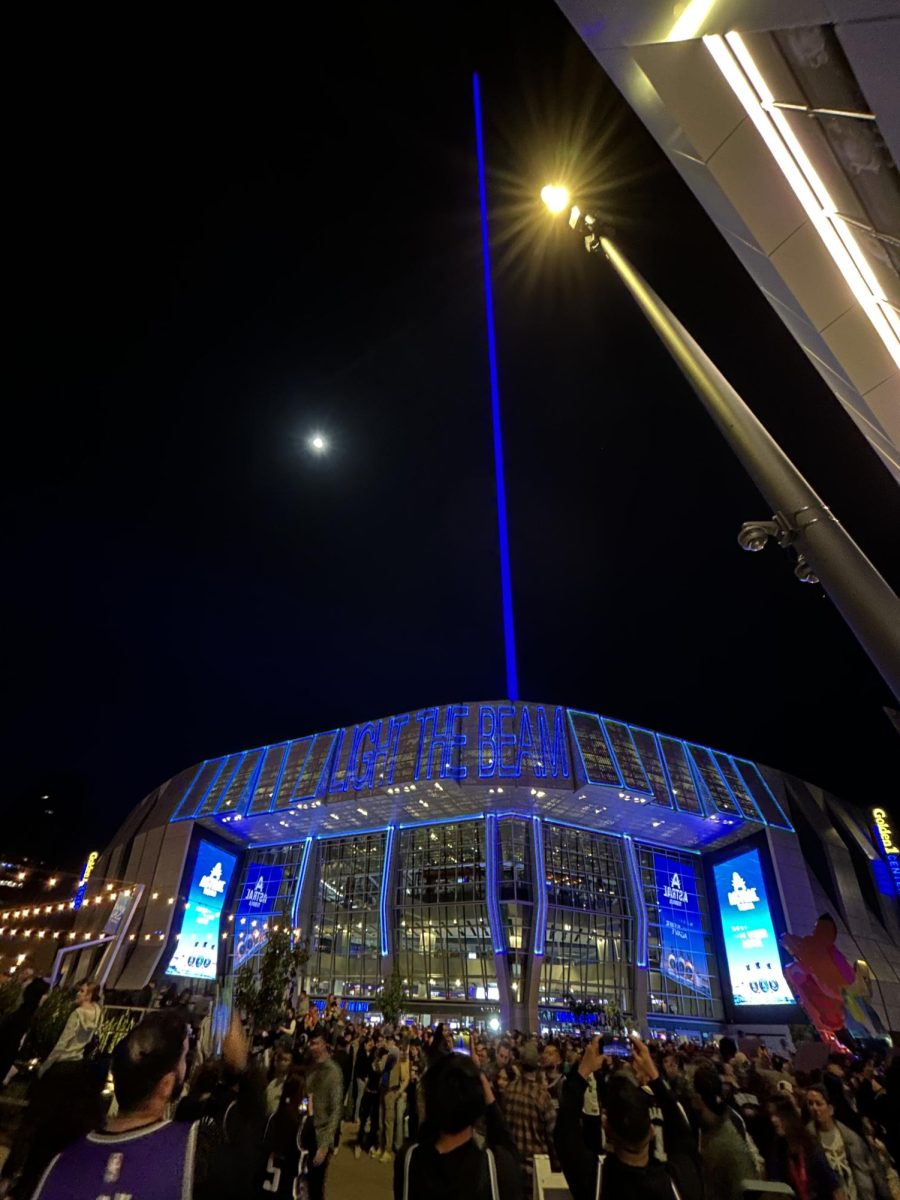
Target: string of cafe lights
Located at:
point(13, 920)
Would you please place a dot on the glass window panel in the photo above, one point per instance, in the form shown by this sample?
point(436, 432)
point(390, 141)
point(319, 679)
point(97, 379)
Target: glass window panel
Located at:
point(296, 760)
point(589, 922)
point(598, 762)
point(683, 788)
point(645, 741)
point(235, 794)
point(739, 789)
point(313, 767)
point(712, 777)
point(195, 792)
point(629, 760)
point(224, 778)
point(345, 953)
point(442, 933)
point(264, 792)
point(765, 801)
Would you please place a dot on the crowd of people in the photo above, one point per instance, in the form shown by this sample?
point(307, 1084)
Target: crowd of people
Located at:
point(453, 1115)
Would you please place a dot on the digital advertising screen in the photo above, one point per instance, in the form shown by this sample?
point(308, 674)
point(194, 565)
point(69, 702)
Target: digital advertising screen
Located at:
point(751, 948)
point(682, 946)
point(197, 952)
point(259, 896)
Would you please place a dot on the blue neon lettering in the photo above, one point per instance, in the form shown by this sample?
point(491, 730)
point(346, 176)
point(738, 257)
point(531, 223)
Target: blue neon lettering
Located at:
point(555, 754)
point(526, 744)
point(507, 740)
point(455, 740)
point(426, 718)
point(340, 781)
point(362, 764)
point(398, 724)
point(487, 741)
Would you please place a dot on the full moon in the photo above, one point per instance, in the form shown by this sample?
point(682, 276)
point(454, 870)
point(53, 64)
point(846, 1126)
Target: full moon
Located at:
point(317, 443)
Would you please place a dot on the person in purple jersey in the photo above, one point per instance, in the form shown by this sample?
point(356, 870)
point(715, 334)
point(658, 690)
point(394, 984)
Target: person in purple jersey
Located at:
point(139, 1154)
point(142, 1155)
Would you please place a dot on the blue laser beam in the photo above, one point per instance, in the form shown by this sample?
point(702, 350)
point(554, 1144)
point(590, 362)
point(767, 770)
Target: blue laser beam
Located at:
point(509, 635)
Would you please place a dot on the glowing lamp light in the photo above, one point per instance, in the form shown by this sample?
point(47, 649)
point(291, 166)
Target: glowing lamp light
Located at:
point(555, 197)
point(317, 443)
point(494, 1024)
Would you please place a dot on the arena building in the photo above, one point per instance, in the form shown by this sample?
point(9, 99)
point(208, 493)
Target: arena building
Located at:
point(513, 860)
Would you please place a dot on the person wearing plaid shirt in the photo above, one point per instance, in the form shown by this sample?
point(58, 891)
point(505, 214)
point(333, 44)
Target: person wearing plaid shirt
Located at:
point(529, 1113)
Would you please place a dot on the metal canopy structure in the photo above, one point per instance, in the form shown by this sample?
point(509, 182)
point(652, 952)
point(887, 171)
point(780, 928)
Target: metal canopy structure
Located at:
point(478, 757)
point(783, 118)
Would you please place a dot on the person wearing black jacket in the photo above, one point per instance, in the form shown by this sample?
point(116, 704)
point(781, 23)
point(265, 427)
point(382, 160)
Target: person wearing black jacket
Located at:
point(631, 1168)
point(446, 1163)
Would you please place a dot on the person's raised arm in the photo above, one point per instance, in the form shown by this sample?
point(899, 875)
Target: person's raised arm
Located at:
point(677, 1133)
point(579, 1165)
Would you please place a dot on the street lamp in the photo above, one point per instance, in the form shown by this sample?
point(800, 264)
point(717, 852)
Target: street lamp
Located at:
point(825, 552)
point(555, 197)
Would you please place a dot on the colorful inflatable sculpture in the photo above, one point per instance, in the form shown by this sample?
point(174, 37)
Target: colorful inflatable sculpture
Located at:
point(833, 994)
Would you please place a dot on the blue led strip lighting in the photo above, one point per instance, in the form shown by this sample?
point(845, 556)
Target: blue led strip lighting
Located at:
point(540, 879)
point(509, 637)
point(640, 906)
point(490, 865)
point(384, 908)
point(301, 879)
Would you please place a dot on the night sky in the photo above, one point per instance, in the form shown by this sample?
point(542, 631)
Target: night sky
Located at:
point(225, 238)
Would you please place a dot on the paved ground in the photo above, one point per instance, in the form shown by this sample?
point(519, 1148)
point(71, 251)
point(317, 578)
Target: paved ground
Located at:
point(358, 1179)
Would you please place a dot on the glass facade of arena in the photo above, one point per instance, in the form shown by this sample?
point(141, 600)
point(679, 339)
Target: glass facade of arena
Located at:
point(588, 946)
point(434, 893)
point(344, 946)
point(441, 927)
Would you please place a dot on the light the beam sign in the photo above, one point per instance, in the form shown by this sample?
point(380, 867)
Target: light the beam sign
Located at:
point(527, 743)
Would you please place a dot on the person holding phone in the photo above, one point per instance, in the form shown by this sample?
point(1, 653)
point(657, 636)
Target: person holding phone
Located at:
point(632, 1167)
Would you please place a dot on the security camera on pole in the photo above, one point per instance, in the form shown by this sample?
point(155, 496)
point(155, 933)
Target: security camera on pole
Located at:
point(825, 552)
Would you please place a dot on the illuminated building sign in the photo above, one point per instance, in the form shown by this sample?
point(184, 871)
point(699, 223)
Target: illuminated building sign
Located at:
point(196, 954)
point(538, 746)
point(884, 839)
point(751, 948)
point(457, 742)
point(682, 946)
point(86, 873)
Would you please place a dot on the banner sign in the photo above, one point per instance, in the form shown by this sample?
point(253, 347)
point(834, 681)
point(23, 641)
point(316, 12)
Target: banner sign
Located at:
point(197, 952)
point(259, 896)
point(682, 944)
point(751, 948)
point(120, 908)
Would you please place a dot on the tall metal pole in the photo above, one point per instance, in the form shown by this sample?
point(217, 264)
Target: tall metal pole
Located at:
point(862, 597)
